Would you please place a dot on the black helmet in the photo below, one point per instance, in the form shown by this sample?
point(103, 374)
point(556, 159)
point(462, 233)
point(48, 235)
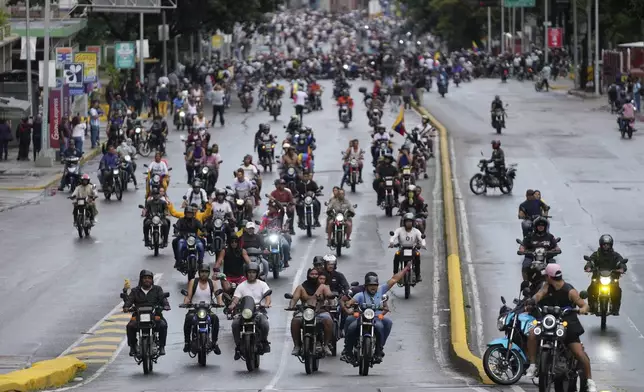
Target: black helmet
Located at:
point(204, 267)
point(541, 221)
point(370, 279)
point(233, 238)
point(145, 273)
point(318, 261)
point(605, 239)
point(252, 266)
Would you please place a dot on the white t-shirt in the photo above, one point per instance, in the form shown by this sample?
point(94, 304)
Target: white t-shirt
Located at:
point(159, 168)
point(255, 290)
point(300, 97)
point(407, 238)
point(79, 130)
point(198, 198)
point(251, 172)
point(219, 210)
point(380, 136)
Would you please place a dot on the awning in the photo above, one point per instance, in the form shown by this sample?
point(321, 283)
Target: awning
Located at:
point(14, 107)
point(639, 44)
point(59, 28)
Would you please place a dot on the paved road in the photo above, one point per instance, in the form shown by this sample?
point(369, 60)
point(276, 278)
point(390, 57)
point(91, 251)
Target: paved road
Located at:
point(572, 153)
point(70, 284)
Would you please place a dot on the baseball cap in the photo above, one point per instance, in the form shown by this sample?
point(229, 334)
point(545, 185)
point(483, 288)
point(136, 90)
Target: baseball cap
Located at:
point(554, 271)
point(250, 225)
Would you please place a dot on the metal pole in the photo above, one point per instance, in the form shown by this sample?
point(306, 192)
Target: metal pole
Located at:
point(502, 26)
point(545, 34)
point(176, 53)
point(30, 93)
point(522, 29)
point(596, 68)
point(575, 43)
point(192, 48)
point(200, 41)
point(165, 44)
point(589, 23)
point(45, 100)
point(489, 30)
point(513, 30)
point(141, 56)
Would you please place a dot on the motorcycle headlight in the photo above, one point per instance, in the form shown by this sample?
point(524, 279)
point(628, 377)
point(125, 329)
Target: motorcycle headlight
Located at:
point(369, 314)
point(72, 169)
point(605, 280)
point(273, 238)
point(309, 314)
point(201, 313)
point(115, 172)
point(240, 202)
point(549, 322)
point(120, 132)
point(308, 200)
point(138, 130)
point(537, 331)
point(560, 332)
point(156, 220)
point(406, 171)
point(291, 171)
point(191, 241)
point(339, 218)
point(204, 170)
point(156, 178)
point(127, 158)
point(218, 222)
point(182, 114)
point(500, 323)
point(247, 314)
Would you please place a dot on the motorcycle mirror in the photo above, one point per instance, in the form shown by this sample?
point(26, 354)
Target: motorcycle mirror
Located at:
point(391, 233)
point(258, 222)
point(183, 138)
point(184, 292)
point(141, 206)
point(266, 294)
point(166, 295)
point(218, 292)
point(526, 292)
point(355, 284)
point(624, 261)
point(423, 236)
point(385, 298)
point(515, 301)
point(355, 206)
point(524, 285)
point(519, 241)
point(482, 153)
point(277, 156)
point(558, 239)
point(321, 187)
point(587, 258)
point(228, 187)
point(326, 203)
point(503, 300)
point(169, 169)
point(583, 294)
point(288, 295)
point(123, 296)
point(145, 165)
point(185, 197)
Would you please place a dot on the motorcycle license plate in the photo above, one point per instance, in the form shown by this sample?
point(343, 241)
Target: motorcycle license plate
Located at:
point(407, 252)
point(389, 183)
point(275, 250)
point(406, 171)
point(81, 202)
point(145, 318)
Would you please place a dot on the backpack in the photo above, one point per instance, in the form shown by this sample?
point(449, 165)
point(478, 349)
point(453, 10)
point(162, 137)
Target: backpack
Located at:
point(195, 284)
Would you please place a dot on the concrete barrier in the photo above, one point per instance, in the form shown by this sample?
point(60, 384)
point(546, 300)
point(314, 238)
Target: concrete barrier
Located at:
point(463, 357)
point(52, 373)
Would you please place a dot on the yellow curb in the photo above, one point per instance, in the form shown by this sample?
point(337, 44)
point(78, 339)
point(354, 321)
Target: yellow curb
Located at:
point(91, 155)
point(560, 87)
point(458, 323)
point(95, 354)
point(52, 373)
point(120, 331)
point(104, 339)
point(110, 323)
point(94, 347)
point(96, 361)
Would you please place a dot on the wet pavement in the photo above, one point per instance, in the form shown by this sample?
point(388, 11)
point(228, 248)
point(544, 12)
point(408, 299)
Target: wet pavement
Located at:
point(571, 151)
point(68, 284)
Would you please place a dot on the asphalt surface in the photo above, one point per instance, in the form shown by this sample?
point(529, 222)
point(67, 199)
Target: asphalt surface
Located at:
point(56, 293)
point(591, 178)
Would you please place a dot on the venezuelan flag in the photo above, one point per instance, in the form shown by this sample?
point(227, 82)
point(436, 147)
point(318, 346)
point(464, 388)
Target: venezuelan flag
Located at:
point(437, 56)
point(475, 47)
point(399, 124)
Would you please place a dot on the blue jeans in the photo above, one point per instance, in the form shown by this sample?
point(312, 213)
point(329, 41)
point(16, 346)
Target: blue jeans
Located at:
point(62, 145)
point(78, 142)
point(95, 136)
point(383, 328)
point(638, 101)
point(183, 246)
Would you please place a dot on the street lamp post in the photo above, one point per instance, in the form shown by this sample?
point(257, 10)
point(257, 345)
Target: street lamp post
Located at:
point(30, 87)
point(46, 158)
point(596, 67)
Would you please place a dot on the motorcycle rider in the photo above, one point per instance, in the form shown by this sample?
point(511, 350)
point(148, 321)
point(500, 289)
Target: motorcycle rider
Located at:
point(272, 220)
point(188, 225)
point(497, 104)
point(498, 159)
point(303, 186)
point(70, 152)
point(262, 136)
point(146, 294)
point(193, 157)
point(605, 258)
point(378, 137)
point(413, 200)
point(211, 161)
point(85, 190)
point(539, 238)
point(340, 204)
point(336, 280)
point(196, 195)
point(244, 188)
point(234, 259)
point(386, 169)
point(157, 134)
point(408, 236)
point(126, 148)
point(309, 292)
point(155, 205)
point(345, 99)
point(109, 162)
point(160, 168)
point(285, 197)
point(557, 292)
point(530, 209)
point(255, 288)
point(201, 289)
point(353, 152)
point(252, 173)
point(404, 158)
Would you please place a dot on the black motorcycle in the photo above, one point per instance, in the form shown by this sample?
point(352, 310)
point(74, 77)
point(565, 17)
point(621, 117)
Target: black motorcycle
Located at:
point(251, 347)
point(389, 201)
point(112, 184)
point(201, 335)
point(125, 174)
point(217, 236)
point(307, 202)
point(190, 257)
point(147, 350)
point(155, 235)
point(72, 172)
point(208, 177)
point(499, 120)
point(267, 156)
point(603, 297)
point(82, 217)
point(365, 348)
point(480, 182)
point(406, 255)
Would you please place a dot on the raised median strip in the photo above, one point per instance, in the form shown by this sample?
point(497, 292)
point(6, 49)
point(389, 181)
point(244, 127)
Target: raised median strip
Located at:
point(51, 373)
point(461, 353)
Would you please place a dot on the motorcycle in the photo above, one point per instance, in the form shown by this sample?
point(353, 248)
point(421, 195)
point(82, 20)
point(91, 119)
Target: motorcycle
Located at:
point(275, 108)
point(504, 75)
point(251, 347)
point(316, 101)
point(82, 218)
point(72, 172)
point(257, 255)
point(344, 115)
point(498, 122)
point(442, 88)
point(155, 235)
point(508, 354)
point(309, 214)
point(625, 127)
point(480, 182)
point(406, 255)
point(268, 154)
point(247, 101)
point(290, 176)
point(390, 201)
point(540, 259)
point(180, 119)
point(140, 141)
point(520, 75)
point(339, 230)
point(555, 363)
point(408, 177)
point(113, 184)
point(147, 350)
point(353, 176)
point(125, 175)
point(367, 97)
point(457, 78)
point(275, 256)
point(217, 237)
point(208, 178)
point(363, 352)
point(201, 341)
point(190, 257)
point(606, 278)
point(382, 149)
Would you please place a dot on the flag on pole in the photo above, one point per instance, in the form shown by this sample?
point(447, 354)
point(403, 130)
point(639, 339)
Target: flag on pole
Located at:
point(399, 124)
point(475, 47)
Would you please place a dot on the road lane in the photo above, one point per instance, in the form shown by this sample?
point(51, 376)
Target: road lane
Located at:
point(591, 178)
point(411, 358)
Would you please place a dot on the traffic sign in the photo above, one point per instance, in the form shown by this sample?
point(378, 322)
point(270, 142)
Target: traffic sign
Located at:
point(519, 3)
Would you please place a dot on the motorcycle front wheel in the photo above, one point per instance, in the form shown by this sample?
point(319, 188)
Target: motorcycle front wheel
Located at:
point(477, 184)
point(496, 367)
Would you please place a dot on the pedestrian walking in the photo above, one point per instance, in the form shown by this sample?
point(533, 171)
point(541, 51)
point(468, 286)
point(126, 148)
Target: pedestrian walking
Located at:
point(36, 136)
point(5, 138)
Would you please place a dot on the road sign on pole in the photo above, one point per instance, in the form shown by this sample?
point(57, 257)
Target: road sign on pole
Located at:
point(519, 3)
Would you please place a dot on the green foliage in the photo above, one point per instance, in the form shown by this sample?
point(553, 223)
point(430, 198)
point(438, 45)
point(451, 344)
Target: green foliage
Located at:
point(114, 74)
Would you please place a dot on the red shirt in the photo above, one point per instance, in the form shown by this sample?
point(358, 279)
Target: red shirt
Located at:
point(284, 196)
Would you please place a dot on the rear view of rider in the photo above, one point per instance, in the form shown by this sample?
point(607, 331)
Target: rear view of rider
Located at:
point(408, 236)
point(497, 104)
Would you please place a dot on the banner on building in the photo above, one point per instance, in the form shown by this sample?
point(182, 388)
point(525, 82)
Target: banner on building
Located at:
point(55, 116)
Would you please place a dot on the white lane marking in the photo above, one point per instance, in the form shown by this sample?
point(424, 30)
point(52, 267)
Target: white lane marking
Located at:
point(157, 279)
point(517, 388)
point(287, 331)
point(634, 327)
point(465, 241)
point(437, 210)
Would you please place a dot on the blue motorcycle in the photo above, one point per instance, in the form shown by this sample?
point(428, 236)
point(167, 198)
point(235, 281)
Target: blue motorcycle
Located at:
point(505, 360)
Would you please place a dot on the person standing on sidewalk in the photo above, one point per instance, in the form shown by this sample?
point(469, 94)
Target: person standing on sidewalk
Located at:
point(65, 135)
point(78, 133)
point(5, 138)
point(95, 124)
point(36, 136)
point(217, 99)
point(637, 94)
point(23, 134)
point(163, 94)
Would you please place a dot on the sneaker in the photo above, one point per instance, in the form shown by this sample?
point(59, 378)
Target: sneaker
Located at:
point(186, 347)
point(296, 351)
point(267, 347)
point(216, 349)
point(347, 243)
point(532, 370)
point(132, 351)
point(237, 353)
point(161, 351)
point(327, 351)
point(418, 278)
point(591, 387)
point(317, 223)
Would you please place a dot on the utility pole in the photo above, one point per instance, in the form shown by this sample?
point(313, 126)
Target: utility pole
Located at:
point(141, 57)
point(46, 158)
point(502, 26)
point(489, 29)
point(30, 86)
point(575, 43)
point(165, 44)
point(546, 24)
point(596, 67)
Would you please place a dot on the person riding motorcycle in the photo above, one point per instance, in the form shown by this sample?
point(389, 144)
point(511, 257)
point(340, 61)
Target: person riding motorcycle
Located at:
point(188, 225)
point(157, 134)
point(109, 162)
point(85, 190)
point(157, 167)
point(530, 209)
point(201, 289)
point(378, 137)
point(413, 200)
point(126, 148)
point(309, 292)
point(155, 205)
point(336, 279)
point(285, 197)
point(345, 99)
point(234, 260)
point(70, 152)
point(211, 161)
point(557, 292)
point(251, 239)
point(197, 195)
point(293, 125)
point(498, 159)
point(340, 204)
point(244, 188)
point(404, 158)
point(408, 236)
point(194, 156)
point(255, 288)
point(144, 295)
point(353, 152)
point(386, 169)
point(262, 136)
point(605, 258)
point(221, 209)
point(272, 220)
point(497, 104)
point(303, 186)
point(289, 158)
point(252, 173)
point(539, 238)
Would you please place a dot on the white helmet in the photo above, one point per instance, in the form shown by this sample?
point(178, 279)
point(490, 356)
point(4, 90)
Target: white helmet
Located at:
point(329, 258)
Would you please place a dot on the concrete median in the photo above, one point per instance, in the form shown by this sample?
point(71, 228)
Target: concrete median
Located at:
point(52, 373)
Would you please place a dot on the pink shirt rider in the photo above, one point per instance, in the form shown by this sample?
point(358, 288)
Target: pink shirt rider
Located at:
point(629, 111)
